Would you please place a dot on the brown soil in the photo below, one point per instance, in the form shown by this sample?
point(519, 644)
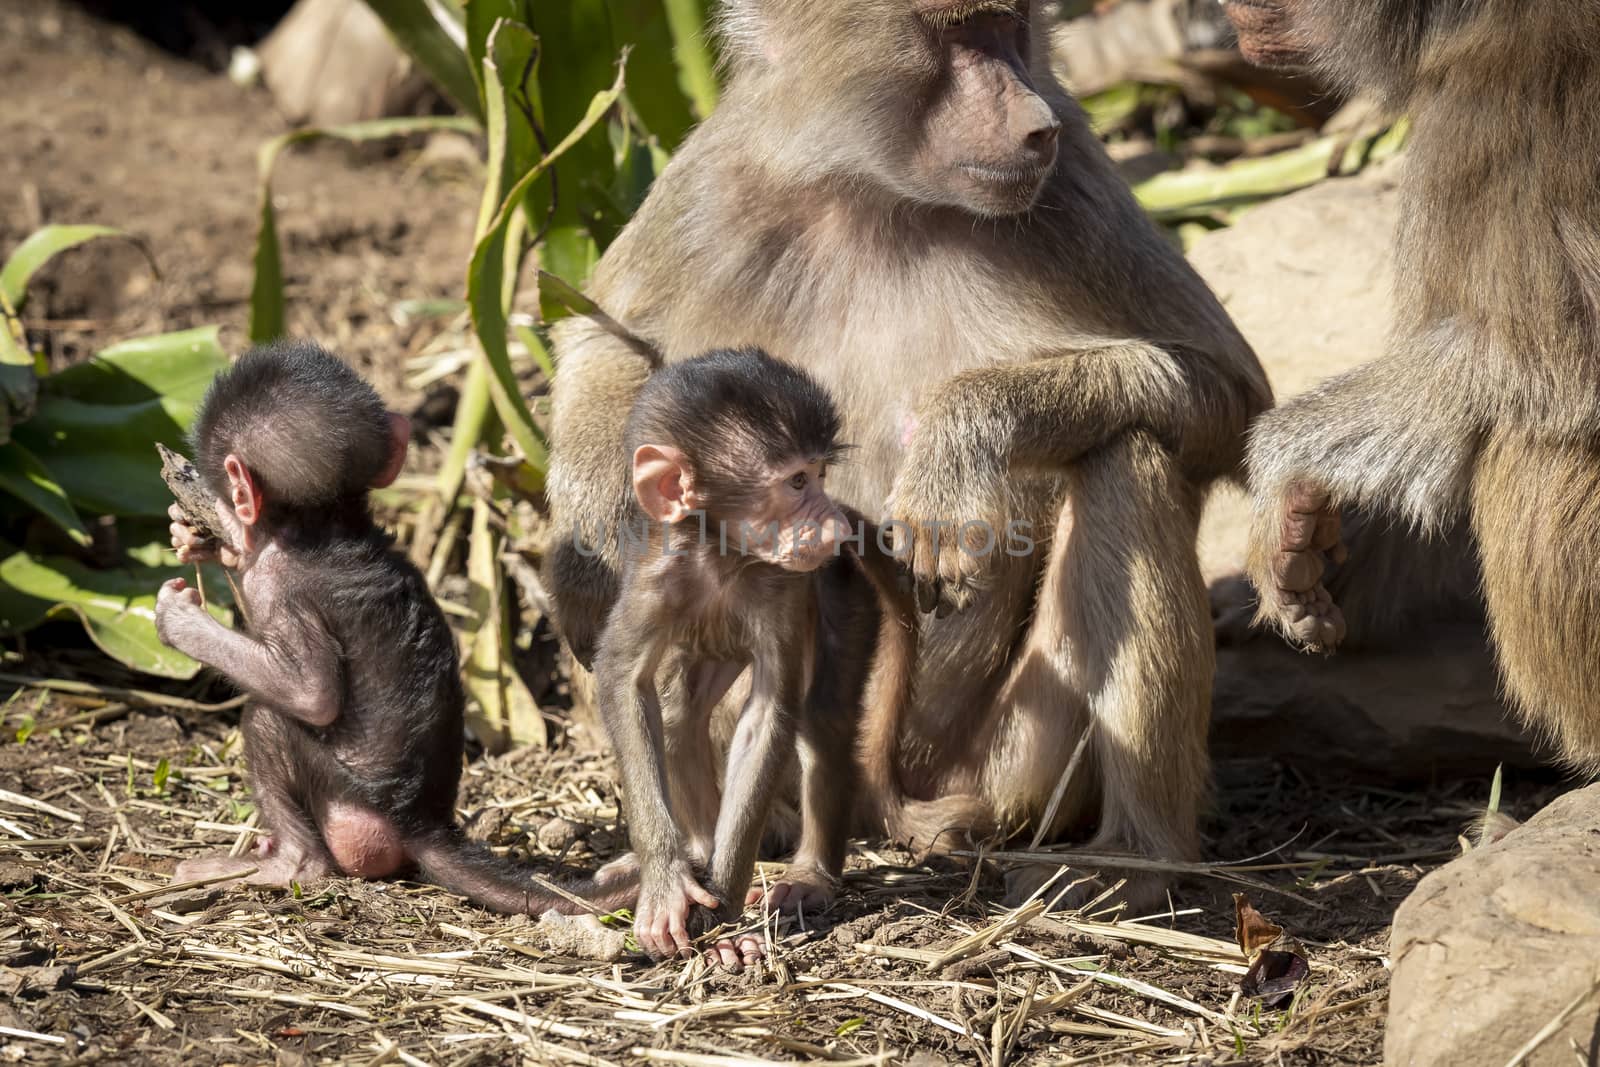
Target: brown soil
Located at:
point(100, 127)
point(96, 967)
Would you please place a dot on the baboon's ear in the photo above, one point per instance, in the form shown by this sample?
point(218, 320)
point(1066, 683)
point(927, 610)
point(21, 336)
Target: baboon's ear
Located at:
point(662, 482)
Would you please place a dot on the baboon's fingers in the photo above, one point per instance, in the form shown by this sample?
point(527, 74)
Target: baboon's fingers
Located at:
point(1326, 536)
point(1313, 620)
point(726, 953)
point(1298, 572)
point(1306, 498)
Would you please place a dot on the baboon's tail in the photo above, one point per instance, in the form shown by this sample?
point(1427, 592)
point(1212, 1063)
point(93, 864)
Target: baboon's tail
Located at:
point(449, 859)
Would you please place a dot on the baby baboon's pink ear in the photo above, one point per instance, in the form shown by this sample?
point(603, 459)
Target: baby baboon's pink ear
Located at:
point(661, 482)
point(399, 442)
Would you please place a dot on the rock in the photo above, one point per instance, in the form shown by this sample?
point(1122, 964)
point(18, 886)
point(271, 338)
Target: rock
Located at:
point(582, 937)
point(1427, 710)
point(332, 61)
point(558, 833)
point(1492, 947)
point(1307, 279)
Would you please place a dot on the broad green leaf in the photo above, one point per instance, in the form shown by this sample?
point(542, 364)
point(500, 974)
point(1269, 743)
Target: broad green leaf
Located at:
point(486, 282)
point(116, 607)
point(438, 43)
point(24, 477)
point(97, 422)
point(267, 320)
point(130, 372)
point(40, 246)
point(581, 64)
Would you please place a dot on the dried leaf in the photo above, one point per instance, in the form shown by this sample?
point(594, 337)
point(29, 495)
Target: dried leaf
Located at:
point(1277, 967)
point(1251, 929)
point(1274, 976)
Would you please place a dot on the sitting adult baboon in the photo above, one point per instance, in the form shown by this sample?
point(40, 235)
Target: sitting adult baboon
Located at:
point(1485, 405)
point(899, 196)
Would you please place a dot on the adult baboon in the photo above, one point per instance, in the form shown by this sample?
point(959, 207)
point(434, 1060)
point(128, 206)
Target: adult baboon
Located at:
point(1485, 406)
point(899, 196)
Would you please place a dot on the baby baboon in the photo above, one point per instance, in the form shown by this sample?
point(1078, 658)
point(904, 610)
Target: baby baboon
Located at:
point(354, 731)
point(900, 197)
point(737, 562)
point(1484, 407)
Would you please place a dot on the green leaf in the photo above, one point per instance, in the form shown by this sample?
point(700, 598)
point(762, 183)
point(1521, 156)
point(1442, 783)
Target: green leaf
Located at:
point(486, 281)
point(24, 477)
point(97, 422)
point(267, 320)
point(438, 43)
point(116, 607)
point(510, 87)
point(170, 364)
point(162, 773)
point(691, 47)
point(480, 18)
point(657, 88)
point(19, 383)
point(583, 61)
point(40, 246)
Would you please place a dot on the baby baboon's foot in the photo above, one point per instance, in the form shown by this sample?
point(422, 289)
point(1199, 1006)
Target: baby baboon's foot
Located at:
point(275, 868)
point(803, 889)
point(735, 952)
point(1140, 893)
point(1308, 537)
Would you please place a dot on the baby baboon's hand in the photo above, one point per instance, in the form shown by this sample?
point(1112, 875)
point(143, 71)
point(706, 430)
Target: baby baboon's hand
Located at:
point(177, 607)
point(193, 546)
point(661, 921)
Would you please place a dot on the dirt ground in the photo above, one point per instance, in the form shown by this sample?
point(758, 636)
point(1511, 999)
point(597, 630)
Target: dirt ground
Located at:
point(103, 791)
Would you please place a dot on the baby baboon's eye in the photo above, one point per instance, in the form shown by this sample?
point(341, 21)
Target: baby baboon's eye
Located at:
point(798, 481)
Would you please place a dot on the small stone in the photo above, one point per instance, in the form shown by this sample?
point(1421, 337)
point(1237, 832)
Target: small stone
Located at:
point(559, 833)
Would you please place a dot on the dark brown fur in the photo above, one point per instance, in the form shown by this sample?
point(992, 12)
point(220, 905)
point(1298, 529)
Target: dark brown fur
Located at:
point(354, 733)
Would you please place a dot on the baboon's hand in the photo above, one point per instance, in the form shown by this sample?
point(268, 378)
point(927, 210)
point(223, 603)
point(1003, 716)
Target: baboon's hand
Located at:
point(947, 524)
point(177, 609)
point(661, 921)
point(1308, 536)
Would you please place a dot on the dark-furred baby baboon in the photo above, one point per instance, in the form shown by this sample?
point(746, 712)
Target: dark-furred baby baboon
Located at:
point(354, 732)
